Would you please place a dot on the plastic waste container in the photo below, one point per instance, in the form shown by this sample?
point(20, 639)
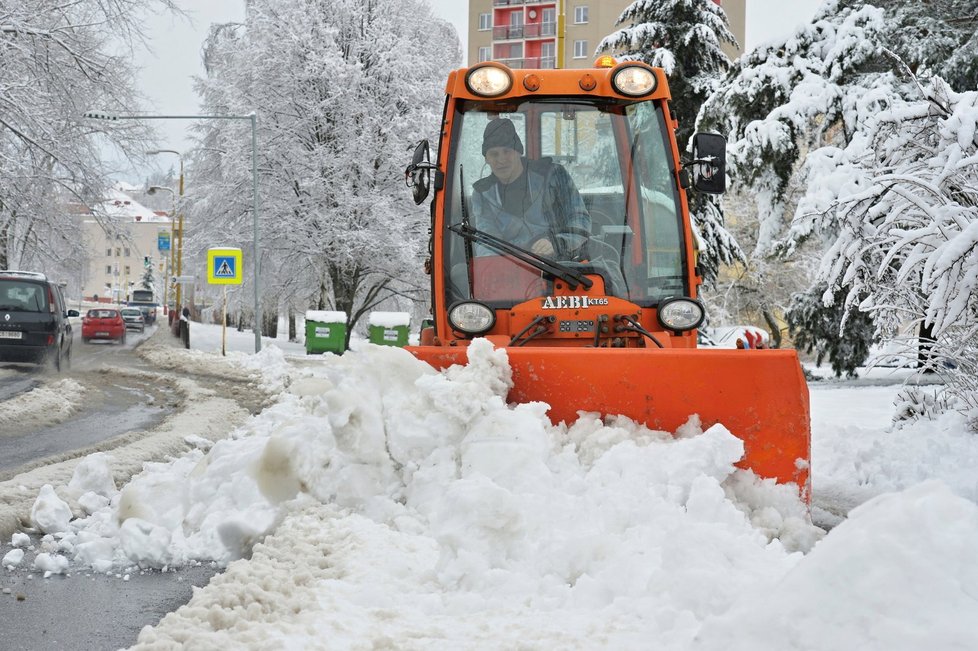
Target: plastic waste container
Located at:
point(325, 332)
point(389, 328)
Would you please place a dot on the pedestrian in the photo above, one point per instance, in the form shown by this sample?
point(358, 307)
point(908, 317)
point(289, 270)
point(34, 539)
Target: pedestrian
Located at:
point(185, 327)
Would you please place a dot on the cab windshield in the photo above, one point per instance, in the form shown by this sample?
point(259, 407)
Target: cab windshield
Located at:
point(588, 185)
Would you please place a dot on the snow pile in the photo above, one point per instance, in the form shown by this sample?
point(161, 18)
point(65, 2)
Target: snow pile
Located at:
point(908, 555)
point(45, 405)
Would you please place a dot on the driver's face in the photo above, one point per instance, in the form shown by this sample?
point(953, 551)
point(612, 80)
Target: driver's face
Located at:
point(505, 163)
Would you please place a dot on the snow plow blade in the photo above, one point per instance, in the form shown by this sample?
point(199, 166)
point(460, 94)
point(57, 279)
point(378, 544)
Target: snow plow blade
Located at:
point(759, 395)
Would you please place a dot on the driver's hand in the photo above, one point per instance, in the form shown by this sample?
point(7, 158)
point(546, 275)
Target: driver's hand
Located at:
point(543, 246)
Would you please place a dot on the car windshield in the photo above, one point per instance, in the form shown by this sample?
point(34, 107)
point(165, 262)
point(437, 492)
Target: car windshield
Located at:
point(131, 313)
point(616, 157)
point(102, 314)
point(20, 296)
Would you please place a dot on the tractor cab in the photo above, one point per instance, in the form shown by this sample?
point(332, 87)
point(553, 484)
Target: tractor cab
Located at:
point(599, 167)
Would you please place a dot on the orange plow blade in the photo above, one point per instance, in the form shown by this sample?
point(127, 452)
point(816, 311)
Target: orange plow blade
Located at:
point(759, 395)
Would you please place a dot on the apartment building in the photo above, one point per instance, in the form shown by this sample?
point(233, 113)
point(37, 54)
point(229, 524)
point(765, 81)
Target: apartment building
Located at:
point(531, 33)
point(123, 241)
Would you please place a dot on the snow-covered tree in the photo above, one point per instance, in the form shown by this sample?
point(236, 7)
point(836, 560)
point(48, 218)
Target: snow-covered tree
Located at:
point(819, 85)
point(57, 60)
point(901, 199)
point(684, 38)
point(342, 89)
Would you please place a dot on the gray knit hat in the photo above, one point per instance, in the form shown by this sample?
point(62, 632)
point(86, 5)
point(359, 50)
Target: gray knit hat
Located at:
point(501, 133)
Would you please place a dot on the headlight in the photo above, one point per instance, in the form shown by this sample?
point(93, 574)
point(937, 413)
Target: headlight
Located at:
point(488, 80)
point(680, 314)
point(471, 318)
point(634, 81)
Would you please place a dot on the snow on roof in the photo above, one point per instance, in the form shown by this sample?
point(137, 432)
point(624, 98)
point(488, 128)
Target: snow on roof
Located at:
point(390, 319)
point(326, 316)
point(121, 206)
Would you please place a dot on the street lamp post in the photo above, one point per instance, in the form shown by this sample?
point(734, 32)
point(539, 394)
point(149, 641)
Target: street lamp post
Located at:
point(253, 117)
point(179, 229)
point(153, 189)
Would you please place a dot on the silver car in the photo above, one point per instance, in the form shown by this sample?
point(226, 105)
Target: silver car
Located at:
point(133, 317)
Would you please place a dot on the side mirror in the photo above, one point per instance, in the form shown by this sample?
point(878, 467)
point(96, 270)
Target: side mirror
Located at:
point(709, 163)
point(73, 313)
point(417, 176)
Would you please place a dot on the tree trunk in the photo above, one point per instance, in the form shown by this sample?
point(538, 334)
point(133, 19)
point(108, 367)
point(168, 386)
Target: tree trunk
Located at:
point(924, 356)
point(270, 324)
point(772, 325)
point(292, 333)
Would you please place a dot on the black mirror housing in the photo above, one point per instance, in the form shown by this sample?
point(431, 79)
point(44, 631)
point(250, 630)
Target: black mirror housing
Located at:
point(417, 176)
point(709, 164)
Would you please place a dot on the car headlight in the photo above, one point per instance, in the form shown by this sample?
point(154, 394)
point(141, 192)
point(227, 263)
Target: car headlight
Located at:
point(488, 80)
point(681, 314)
point(472, 318)
point(634, 81)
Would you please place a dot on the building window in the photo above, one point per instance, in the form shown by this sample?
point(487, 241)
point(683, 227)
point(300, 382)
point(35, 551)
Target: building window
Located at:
point(484, 54)
point(485, 22)
point(127, 251)
point(580, 14)
point(108, 270)
point(548, 22)
point(580, 49)
point(118, 251)
point(127, 270)
point(108, 253)
point(548, 53)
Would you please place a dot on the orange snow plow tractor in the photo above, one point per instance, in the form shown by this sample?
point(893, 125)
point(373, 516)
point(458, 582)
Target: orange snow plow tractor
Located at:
point(560, 232)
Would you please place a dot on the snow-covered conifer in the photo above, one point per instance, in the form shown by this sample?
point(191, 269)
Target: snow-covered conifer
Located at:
point(684, 38)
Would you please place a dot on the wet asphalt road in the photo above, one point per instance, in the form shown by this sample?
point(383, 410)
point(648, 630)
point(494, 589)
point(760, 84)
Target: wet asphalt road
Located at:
point(82, 609)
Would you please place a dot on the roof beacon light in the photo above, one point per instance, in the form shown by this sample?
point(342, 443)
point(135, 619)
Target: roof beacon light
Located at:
point(605, 61)
point(634, 81)
point(488, 80)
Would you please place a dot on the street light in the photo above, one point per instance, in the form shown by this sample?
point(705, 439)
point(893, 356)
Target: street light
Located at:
point(153, 189)
point(179, 233)
point(253, 117)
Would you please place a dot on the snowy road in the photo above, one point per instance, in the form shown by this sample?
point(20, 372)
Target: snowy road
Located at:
point(375, 504)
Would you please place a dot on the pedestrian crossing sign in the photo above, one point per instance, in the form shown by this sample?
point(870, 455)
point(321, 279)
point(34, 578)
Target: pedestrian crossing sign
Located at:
point(224, 266)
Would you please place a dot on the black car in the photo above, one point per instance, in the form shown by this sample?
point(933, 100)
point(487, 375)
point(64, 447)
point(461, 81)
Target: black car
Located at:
point(34, 324)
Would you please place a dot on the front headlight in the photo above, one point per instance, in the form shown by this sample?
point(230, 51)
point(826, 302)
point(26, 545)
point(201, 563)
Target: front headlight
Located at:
point(634, 81)
point(679, 314)
point(472, 318)
point(488, 80)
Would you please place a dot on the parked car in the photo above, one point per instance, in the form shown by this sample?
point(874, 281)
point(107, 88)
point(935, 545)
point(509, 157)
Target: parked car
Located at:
point(103, 323)
point(34, 325)
point(134, 319)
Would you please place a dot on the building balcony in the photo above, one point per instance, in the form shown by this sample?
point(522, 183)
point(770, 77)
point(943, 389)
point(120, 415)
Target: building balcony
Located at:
point(516, 3)
point(531, 62)
point(531, 30)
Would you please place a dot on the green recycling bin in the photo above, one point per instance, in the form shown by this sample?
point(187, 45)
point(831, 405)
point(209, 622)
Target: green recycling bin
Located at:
point(325, 332)
point(389, 328)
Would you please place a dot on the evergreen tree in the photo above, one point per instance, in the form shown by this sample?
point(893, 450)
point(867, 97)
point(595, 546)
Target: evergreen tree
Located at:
point(683, 37)
point(148, 280)
point(816, 327)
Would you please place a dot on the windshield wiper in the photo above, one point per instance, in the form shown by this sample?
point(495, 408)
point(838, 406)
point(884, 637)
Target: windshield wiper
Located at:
point(571, 276)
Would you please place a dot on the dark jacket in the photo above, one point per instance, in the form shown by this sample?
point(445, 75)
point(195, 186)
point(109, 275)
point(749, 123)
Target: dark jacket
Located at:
point(554, 210)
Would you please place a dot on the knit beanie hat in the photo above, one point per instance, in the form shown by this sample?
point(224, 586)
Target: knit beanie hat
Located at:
point(501, 133)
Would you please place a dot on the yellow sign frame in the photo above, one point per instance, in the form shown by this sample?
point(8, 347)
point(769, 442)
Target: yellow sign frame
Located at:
point(217, 257)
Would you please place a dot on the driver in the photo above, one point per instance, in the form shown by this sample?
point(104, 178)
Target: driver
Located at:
point(533, 204)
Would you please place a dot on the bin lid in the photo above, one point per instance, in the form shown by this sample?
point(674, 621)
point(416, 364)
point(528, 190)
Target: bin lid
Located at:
point(326, 316)
point(390, 319)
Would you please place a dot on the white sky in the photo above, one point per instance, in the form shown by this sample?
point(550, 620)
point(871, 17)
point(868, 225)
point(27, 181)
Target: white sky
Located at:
point(400, 508)
point(167, 71)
